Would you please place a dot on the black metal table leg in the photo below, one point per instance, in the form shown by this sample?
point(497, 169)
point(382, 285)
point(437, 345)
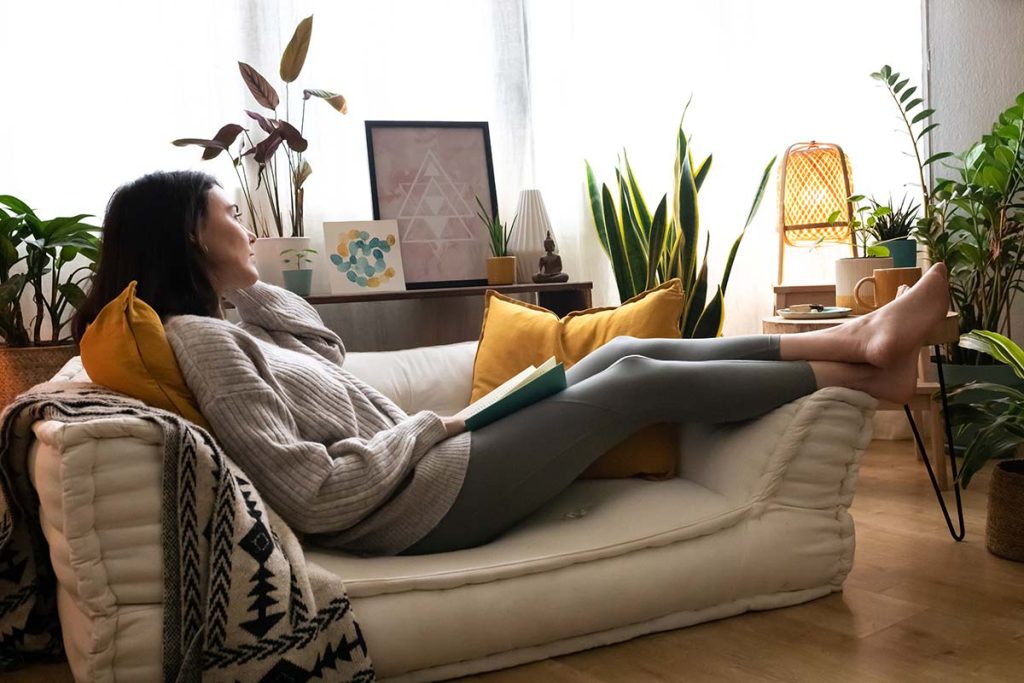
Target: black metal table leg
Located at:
point(957, 536)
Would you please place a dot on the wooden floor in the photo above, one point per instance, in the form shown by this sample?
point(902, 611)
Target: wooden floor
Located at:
point(916, 607)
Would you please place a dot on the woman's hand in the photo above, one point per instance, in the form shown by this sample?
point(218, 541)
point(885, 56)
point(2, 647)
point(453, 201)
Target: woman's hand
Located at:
point(453, 426)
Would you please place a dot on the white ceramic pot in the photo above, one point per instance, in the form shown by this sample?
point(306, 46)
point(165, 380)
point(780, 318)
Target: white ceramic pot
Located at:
point(527, 240)
point(269, 262)
point(849, 271)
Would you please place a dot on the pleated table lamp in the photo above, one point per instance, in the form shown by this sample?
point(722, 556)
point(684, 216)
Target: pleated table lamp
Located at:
point(814, 183)
point(527, 241)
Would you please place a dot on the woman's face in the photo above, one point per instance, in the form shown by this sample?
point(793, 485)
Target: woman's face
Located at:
point(228, 244)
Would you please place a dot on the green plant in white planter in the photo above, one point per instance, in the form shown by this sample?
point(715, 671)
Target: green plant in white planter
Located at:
point(997, 422)
point(298, 279)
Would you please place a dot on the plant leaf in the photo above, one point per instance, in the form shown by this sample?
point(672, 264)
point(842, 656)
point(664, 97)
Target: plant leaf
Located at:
point(305, 170)
point(912, 103)
point(596, 209)
point(295, 54)
point(926, 129)
point(616, 248)
point(937, 157)
point(16, 204)
point(267, 125)
point(902, 84)
point(332, 98)
point(702, 172)
point(211, 148)
point(710, 323)
point(266, 148)
point(907, 93)
point(656, 241)
point(292, 136)
point(260, 88)
point(73, 293)
point(226, 136)
point(921, 115)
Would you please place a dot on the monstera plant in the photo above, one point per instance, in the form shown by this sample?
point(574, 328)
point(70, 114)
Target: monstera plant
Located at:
point(647, 249)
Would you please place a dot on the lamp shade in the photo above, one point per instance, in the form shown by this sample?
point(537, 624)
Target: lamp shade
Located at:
point(527, 241)
point(814, 183)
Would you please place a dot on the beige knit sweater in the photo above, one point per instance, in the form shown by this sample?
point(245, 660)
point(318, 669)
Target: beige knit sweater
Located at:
point(333, 456)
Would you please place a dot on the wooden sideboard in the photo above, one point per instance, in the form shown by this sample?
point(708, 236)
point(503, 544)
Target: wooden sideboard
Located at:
point(388, 321)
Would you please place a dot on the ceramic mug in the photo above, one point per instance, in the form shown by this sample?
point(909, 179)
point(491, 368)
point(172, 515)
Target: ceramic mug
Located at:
point(886, 282)
point(849, 271)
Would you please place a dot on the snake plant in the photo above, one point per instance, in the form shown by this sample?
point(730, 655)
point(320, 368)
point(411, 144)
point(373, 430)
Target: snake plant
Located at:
point(647, 249)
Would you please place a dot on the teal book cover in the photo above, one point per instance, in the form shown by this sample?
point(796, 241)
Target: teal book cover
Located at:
point(551, 382)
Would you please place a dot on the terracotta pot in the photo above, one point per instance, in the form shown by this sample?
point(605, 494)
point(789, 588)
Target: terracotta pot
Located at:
point(1004, 532)
point(22, 368)
point(849, 271)
point(501, 270)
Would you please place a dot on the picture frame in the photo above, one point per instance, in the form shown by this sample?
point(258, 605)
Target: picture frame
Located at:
point(363, 256)
point(426, 175)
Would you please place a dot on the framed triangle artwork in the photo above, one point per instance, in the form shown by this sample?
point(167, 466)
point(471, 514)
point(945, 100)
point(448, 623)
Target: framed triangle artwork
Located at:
point(426, 176)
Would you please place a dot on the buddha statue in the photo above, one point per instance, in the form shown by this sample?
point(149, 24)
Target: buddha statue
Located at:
point(550, 264)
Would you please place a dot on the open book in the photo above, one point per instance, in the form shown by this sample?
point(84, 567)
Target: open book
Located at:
point(529, 386)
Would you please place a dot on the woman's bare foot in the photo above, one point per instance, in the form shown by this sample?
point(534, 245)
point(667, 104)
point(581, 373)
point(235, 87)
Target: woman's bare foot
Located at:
point(885, 338)
point(896, 384)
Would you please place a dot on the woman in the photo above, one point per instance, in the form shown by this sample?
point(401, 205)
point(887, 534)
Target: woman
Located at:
point(339, 461)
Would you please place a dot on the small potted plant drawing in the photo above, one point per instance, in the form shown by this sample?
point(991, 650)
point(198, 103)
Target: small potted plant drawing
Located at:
point(501, 268)
point(298, 279)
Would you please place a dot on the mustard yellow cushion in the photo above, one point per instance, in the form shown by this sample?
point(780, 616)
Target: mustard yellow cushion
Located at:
point(516, 334)
point(125, 349)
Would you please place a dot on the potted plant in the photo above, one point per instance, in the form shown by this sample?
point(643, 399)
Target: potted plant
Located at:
point(281, 230)
point(997, 422)
point(44, 253)
point(298, 279)
point(501, 267)
point(852, 269)
point(891, 230)
point(646, 250)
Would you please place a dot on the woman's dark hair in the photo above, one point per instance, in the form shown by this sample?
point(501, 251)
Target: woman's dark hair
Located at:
point(151, 234)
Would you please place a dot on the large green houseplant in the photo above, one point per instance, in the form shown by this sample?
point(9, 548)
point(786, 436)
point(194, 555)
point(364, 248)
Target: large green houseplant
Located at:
point(647, 249)
point(996, 418)
point(971, 222)
point(41, 258)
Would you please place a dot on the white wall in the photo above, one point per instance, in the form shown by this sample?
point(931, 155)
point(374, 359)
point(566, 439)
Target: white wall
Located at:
point(975, 51)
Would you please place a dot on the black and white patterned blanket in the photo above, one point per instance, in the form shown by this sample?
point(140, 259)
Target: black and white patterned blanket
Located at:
point(240, 603)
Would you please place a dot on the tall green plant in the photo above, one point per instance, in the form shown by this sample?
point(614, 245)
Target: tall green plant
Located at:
point(46, 250)
point(647, 249)
point(976, 230)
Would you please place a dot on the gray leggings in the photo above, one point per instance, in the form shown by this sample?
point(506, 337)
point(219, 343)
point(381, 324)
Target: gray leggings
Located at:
point(518, 463)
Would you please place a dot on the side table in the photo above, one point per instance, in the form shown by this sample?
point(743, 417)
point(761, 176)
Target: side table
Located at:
point(924, 398)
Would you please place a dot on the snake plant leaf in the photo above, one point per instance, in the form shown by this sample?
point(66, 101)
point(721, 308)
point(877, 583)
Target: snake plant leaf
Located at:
point(640, 209)
point(295, 54)
point(616, 248)
point(597, 209)
point(696, 297)
point(633, 239)
point(685, 209)
point(710, 323)
point(702, 172)
point(755, 205)
point(657, 241)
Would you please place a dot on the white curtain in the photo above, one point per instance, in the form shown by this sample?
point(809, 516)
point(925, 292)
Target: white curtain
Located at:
point(605, 75)
point(94, 92)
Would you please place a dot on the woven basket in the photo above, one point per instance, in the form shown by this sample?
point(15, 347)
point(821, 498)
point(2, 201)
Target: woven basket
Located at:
point(23, 368)
point(1004, 533)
